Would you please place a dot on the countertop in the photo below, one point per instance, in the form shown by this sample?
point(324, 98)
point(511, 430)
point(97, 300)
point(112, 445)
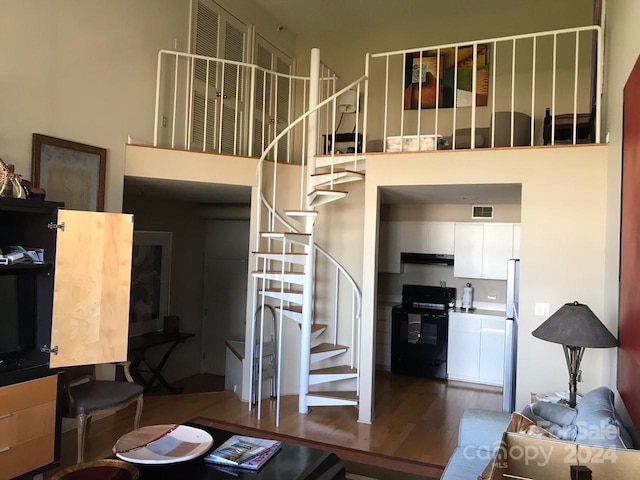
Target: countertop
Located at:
point(477, 311)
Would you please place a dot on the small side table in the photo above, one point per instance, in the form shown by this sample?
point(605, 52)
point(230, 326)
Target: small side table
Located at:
point(138, 346)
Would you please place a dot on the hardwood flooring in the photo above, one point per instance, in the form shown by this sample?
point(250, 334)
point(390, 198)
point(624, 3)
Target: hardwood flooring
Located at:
point(415, 418)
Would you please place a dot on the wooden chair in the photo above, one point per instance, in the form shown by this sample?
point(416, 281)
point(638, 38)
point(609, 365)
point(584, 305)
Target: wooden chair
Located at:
point(87, 397)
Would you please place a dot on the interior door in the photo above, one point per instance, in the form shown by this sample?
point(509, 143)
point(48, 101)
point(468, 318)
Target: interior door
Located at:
point(225, 290)
point(272, 107)
point(219, 91)
point(91, 288)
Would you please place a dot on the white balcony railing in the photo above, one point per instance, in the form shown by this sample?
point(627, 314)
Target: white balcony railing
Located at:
point(489, 93)
point(222, 106)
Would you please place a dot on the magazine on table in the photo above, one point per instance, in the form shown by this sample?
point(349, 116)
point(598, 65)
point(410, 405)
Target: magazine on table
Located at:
point(244, 452)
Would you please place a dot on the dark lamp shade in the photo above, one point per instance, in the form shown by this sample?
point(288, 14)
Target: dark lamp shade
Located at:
point(575, 325)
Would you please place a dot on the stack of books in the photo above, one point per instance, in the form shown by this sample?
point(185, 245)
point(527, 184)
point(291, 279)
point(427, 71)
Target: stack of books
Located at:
point(244, 452)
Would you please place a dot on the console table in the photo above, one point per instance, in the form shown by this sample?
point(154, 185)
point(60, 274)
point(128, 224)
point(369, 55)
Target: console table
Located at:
point(138, 347)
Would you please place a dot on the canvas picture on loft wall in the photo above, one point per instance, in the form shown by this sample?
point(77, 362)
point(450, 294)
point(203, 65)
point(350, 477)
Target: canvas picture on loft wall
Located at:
point(430, 79)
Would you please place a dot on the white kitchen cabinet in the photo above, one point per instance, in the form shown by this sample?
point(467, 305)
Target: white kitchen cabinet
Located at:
point(481, 250)
point(492, 340)
point(463, 351)
point(476, 348)
point(440, 237)
point(396, 237)
point(468, 243)
point(497, 249)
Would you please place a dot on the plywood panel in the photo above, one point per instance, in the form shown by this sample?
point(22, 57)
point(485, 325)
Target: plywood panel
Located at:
point(92, 287)
point(629, 330)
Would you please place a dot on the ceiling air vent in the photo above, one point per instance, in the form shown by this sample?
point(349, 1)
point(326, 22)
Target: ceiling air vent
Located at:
point(482, 211)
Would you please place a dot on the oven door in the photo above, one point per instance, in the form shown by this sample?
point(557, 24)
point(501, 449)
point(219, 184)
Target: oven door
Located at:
point(419, 343)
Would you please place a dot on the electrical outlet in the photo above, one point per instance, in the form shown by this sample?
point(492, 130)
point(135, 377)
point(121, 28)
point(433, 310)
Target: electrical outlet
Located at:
point(542, 309)
point(164, 121)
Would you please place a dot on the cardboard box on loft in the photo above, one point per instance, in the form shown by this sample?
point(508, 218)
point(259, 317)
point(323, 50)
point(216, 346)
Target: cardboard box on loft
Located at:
point(525, 457)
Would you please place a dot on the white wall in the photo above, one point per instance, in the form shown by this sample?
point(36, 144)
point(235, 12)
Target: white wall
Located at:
point(562, 244)
point(345, 53)
point(83, 71)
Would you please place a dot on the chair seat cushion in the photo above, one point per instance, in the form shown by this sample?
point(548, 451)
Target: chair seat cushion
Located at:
point(92, 397)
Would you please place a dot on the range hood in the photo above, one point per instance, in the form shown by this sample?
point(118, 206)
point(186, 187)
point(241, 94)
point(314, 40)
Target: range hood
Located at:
point(427, 258)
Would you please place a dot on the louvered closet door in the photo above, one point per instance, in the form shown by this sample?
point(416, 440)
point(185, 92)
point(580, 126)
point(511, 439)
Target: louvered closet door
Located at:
point(219, 91)
point(272, 108)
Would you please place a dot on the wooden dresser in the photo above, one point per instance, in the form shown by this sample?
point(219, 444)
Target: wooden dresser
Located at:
point(27, 425)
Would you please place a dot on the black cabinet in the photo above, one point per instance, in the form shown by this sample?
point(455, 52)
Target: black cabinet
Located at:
point(26, 289)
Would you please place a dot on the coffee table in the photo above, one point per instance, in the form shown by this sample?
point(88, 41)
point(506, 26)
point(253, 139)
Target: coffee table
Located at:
point(291, 462)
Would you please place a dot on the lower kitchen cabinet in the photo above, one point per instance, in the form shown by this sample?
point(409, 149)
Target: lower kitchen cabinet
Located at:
point(476, 348)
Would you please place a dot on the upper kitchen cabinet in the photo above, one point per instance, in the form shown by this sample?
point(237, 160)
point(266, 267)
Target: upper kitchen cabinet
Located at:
point(396, 237)
point(481, 250)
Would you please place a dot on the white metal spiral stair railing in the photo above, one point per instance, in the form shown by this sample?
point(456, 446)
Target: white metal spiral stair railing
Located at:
point(286, 275)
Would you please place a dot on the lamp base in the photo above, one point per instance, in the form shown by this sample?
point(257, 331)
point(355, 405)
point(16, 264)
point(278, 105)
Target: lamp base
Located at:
point(573, 356)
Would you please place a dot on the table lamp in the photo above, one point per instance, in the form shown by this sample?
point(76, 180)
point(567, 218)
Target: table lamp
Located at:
point(348, 102)
point(575, 327)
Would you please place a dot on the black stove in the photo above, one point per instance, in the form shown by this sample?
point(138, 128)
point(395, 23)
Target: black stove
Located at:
point(420, 331)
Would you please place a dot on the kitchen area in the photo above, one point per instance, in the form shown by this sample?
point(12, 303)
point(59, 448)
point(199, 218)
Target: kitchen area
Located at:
point(447, 292)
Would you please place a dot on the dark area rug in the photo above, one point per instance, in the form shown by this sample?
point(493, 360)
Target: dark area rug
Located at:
point(360, 464)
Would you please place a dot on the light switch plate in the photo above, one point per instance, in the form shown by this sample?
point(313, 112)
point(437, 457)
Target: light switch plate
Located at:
point(542, 309)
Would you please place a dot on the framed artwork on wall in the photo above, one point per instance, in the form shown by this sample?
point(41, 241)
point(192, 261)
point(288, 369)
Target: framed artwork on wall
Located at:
point(430, 75)
point(70, 172)
point(150, 281)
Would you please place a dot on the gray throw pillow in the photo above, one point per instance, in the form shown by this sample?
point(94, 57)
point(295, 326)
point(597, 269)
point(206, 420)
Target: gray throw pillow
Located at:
point(554, 412)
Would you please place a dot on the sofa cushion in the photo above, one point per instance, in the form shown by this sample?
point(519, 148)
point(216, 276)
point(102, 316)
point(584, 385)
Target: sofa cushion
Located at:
point(555, 412)
point(598, 423)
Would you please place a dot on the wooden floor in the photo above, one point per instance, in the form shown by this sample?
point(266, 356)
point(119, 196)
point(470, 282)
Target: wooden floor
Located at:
point(415, 418)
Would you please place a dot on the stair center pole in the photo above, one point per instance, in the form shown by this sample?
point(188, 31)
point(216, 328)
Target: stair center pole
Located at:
point(312, 135)
point(307, 301)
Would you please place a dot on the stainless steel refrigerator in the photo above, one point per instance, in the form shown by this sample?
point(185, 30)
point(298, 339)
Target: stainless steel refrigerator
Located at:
point(511, 337)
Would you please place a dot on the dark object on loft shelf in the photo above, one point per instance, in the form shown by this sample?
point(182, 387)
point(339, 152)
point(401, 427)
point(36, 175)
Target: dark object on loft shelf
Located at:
point(349, 142)
point(585, 127)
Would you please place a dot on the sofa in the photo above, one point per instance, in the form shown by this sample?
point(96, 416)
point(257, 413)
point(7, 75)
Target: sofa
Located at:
point(593, 421)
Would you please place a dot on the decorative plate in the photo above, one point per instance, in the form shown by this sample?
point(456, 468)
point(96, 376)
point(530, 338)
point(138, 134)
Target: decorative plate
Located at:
point(162, 444)
point(99, 470)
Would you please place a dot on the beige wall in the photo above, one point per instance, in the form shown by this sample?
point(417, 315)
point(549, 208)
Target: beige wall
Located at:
point(345, 53)
point(562, 244)
point(445, 213)
point(84, 72)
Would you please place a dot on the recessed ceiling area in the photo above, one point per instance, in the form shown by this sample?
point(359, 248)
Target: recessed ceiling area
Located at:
point(187, 192)
point(506, 194)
